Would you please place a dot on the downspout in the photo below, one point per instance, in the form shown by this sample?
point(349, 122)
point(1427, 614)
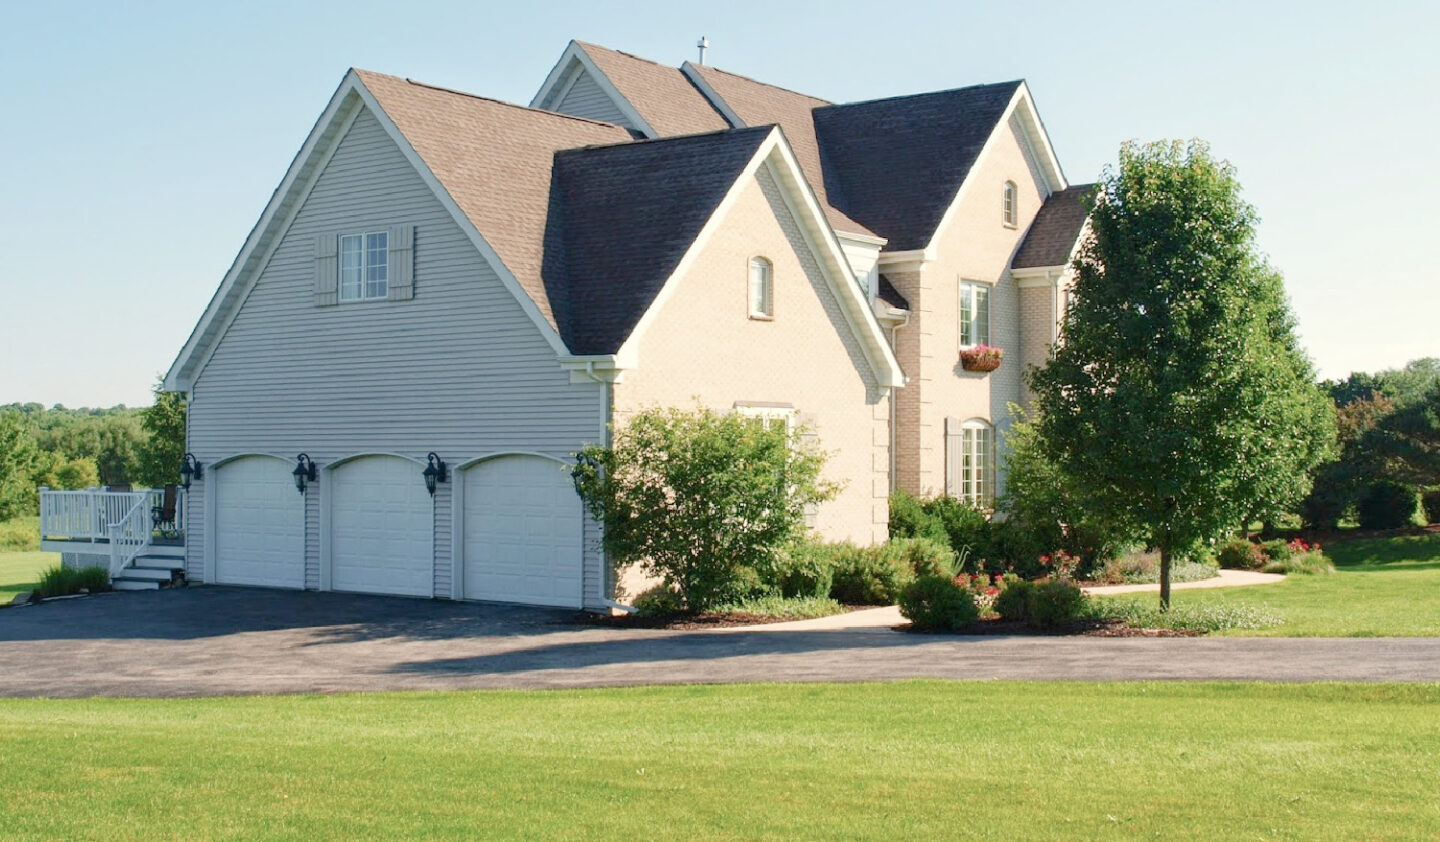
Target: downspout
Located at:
point(605, 410)
point(895, 349)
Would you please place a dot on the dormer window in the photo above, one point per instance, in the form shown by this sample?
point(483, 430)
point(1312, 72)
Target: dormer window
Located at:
point(762, 289)
point(1008, 207)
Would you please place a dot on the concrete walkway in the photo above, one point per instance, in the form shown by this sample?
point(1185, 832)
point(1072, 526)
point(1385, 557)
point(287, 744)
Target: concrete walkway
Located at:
point(1226, 579)
point(229, 641)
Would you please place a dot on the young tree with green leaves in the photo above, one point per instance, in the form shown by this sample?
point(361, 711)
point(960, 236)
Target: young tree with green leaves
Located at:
point(164, 446)
point(1179, 398)
point(703, 499)
point(17, 465)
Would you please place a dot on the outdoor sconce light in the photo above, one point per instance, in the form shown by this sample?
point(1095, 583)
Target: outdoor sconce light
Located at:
point(190, 469)
point(304, 472)
point(434, 472)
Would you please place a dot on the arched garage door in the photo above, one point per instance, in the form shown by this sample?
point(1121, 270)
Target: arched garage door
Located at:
point(382, 528)
point(522, 532)
point(259, 524)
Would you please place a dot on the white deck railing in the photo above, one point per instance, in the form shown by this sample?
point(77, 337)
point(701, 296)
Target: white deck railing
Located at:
point(88, 515)
point(131, 535)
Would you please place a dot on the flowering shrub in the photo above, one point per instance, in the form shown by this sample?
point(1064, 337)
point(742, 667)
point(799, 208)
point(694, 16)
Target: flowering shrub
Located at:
point(981, 358)
point(1298, 557)
point(984, 589)
point(1241, 554)
point(937, 603)
point(1059, 565)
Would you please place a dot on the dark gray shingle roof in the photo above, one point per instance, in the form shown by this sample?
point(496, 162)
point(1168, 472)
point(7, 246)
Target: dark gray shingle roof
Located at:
point(1052, 235)
point(622, 217)
point(895, 165)
point(890, 295)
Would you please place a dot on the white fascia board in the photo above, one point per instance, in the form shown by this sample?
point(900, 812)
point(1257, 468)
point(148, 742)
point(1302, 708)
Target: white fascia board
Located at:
point(1049, 165)
point(698, 80)
point(575, 53)
point(860, 239)
point(1037, 276)
point(905, 261)
point(321, 140)
point(597, 368)
point(775, 153)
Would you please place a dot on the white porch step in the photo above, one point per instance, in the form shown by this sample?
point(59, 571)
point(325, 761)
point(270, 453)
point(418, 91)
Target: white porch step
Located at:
point(159, 562)
point(165, 551)
point(135, 585)
point(150, 574)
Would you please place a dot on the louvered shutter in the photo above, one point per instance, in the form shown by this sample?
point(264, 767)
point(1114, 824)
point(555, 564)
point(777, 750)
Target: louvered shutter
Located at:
point(327, 270)
point(954, 456)
point(810, 439)
point(402, 263)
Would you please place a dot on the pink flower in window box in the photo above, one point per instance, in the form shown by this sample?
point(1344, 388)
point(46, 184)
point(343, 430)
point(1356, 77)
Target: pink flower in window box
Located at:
point(981, 358)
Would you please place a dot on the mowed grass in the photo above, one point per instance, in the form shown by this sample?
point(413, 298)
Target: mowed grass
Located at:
point(917, 760)
point(1382, 587)
point(20, 572)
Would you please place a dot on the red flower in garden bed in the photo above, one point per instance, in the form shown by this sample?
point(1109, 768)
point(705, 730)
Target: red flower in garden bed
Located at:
point(981, 358)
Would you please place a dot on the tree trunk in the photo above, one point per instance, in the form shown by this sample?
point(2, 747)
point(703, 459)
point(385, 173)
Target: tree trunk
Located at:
point(1165, 576)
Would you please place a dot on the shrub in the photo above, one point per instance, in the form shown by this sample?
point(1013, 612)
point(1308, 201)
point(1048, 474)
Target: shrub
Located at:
point(937, 603)
point(1013, 603)
point(1431, 503)
point(659, 601)
point(704, 500)
point(1311, 563)
point(1197, 617)
point(923, 556)
point(1240, 554)
point(1055, 603)
point(807, 569)
point(20, 535)
point(966, 527)
point(984, 588)
point(909, 518)
point(1277, 550)
point(783, 608)
point(1059, 565)
point(865, 576)
point(63, 581)
point(1387, 505)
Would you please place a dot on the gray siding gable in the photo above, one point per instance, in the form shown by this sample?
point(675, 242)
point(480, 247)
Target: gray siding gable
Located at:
point(460, 369)
point(587, 99)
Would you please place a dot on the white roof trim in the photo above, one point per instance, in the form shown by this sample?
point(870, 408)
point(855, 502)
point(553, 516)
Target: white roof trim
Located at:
point(775, 153)
point(249, 264)
point(1035, 138)
point(559, 77)
point(698, 79)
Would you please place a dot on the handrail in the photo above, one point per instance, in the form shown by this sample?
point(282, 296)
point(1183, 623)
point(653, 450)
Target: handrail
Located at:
point(130, 536)
point(87, 515)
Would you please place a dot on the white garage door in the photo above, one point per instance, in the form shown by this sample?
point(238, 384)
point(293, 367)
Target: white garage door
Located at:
point(522, 532)
point(382, 527)
point(259, 524)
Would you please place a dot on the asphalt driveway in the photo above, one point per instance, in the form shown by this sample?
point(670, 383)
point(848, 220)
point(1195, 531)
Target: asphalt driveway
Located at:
point(222, 641)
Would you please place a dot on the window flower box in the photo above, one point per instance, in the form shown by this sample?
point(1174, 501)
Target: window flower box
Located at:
point(981, 358)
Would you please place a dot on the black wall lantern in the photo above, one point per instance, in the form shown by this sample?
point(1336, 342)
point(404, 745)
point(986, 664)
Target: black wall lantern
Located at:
point(190, 469)
point(304, 472)
point(434, 472)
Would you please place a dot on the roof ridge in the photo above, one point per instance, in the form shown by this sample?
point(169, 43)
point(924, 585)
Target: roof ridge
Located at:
point(766, 84)
point(644, 141)
point(926, 93)
point(417, 83)
point(623, 53)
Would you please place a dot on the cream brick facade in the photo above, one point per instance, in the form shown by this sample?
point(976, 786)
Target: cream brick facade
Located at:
point(702, 345)
point(973, 245)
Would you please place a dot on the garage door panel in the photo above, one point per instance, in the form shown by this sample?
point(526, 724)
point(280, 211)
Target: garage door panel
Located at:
point(522, 532)
point(259, 524)
point(381, 528)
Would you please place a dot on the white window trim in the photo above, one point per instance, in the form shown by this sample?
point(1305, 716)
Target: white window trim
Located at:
point(768, 314)
point(960, 311)
point(770, 412)
point(1010, 204)
point(984, 494)
point(364, 264)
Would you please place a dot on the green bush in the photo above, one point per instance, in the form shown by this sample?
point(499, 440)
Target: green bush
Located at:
point(1239, 554)
point(1312, 563)
point(1387, 505)
point(1431, 503)
point(1013, 603)
point(865, 576)
point(966, 527)
point(909, 518)
point(20, 535)
point(63, 581)
point(1055, 603)
point(1184, 616)
point(807, 569)
point(923, 556)
point(937, 603)
point(783, 608)
point(659, 601)
point(1277, 550)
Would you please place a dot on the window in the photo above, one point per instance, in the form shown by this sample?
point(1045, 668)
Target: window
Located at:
point(974, 314)
point(762, 289)
point(769, 416)
point(1009, 210)
point(970, 461)
point(364, 266)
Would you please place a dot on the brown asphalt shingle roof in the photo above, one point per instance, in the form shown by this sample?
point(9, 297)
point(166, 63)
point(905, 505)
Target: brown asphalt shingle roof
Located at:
point(663, 95)
point(1057, 226)
point(758, 104)
point(897, 164)
point(495, 161)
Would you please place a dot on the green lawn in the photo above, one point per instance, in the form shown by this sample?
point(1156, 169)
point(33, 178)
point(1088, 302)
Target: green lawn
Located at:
point(1381, 587)
point(917, 760)
point(20, 572)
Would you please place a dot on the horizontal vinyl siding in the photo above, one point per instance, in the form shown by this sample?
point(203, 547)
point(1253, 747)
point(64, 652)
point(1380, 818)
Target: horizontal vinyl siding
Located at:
point(459, 369)
point(586, 99)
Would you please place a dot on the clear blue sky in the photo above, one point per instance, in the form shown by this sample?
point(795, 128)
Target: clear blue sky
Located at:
point(140, 142)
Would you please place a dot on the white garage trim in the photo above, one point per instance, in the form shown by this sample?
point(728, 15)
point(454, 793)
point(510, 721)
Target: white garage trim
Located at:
point(210, 569)
point(325, 487)
point(328, 489)
point(459, 522)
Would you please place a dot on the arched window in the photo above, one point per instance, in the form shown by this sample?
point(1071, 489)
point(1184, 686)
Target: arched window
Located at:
point(1009, 210)
point(762, 289)
point(970, 460)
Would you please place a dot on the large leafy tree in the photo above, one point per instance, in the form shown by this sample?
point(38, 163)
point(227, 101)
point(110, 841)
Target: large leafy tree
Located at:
point(17, 465)
point(164, 446)
point(1179, 398)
